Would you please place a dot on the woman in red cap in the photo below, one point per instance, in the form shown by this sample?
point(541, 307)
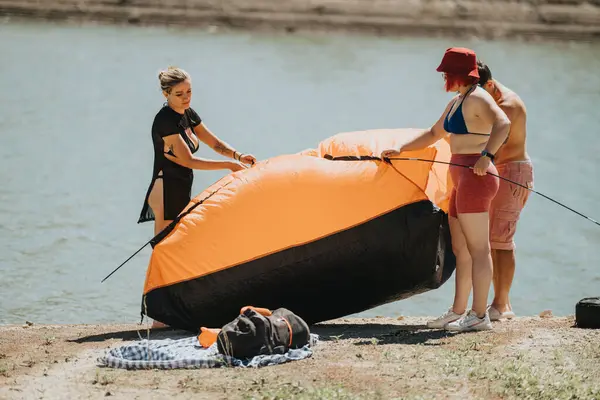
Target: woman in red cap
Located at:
point(477, 128)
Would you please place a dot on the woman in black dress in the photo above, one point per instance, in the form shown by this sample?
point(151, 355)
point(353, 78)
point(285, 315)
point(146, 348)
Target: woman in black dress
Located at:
point(176, 133)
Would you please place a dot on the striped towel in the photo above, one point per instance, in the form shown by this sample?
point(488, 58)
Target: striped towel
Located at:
point(187, 353)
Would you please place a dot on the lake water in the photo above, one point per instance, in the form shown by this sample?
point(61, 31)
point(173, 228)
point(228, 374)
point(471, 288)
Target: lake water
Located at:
point(77, 105)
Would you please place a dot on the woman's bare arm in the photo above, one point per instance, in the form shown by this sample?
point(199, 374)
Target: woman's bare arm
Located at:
point(184, 157)
point(214, 142)
point(492, 114)
point(431, 135)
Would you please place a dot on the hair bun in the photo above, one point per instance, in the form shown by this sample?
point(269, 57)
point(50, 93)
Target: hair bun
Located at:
point(164, 71)
point(171, 76)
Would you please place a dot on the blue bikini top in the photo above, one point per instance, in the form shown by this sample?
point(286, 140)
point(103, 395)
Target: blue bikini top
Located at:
point(456, 123)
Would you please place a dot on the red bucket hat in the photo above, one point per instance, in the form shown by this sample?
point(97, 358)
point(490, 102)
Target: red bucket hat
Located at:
point(459, 61)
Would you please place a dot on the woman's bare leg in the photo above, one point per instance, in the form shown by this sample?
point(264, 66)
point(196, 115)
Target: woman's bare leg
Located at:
point(475, 228)
point(462, 290)
point(155, 200)
point(464, 267)
point(504, 272)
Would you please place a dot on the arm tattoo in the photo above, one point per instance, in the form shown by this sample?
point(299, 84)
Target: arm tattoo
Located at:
point(222, 148)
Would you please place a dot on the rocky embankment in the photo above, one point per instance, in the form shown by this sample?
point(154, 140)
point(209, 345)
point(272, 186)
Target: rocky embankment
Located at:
point(529, 19)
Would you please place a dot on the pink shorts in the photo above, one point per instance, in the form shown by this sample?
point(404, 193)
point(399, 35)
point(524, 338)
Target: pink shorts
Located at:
point(509, 202)
point(472, 193)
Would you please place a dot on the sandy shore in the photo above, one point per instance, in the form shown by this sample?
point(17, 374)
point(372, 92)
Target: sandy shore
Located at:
point(379, 358)
point(534, 19)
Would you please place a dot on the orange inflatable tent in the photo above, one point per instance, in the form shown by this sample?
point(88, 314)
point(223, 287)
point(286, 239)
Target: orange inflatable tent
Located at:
point(325, 233)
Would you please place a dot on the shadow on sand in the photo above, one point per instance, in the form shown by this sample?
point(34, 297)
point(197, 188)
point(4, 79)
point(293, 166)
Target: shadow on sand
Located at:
point(371, 333)
point(132, 335)
point(380, 333)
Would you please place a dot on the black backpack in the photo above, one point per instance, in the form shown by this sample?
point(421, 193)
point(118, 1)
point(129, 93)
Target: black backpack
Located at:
point(587, 313)
point(252, 334)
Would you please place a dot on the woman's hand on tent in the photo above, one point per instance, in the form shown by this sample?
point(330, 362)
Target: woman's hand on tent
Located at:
point(248, 159)
point(386, 154)
point(234, 166)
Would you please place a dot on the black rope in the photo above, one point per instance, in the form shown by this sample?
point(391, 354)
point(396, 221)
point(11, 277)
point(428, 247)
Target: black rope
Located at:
point(386, 160)
point(489, 173)
point(166, 230)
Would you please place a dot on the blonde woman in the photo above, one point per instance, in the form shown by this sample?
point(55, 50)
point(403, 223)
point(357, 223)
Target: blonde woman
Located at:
point(176, 134)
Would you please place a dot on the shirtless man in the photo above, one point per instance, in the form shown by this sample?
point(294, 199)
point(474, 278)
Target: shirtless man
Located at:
point(512, 162)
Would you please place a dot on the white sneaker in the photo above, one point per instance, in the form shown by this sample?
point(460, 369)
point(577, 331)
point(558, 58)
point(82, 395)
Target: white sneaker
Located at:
point(441, 321)
point(471, 322)
point(496, 315)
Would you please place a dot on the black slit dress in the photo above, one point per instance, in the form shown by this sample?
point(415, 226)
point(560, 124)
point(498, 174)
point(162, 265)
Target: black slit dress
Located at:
point(177, 180)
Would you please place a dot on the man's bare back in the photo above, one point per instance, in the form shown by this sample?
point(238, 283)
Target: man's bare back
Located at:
point(515, 148)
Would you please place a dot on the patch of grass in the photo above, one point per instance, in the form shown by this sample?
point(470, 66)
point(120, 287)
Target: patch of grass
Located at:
point(558, 357)
point(48, 340)
point(4, 370)
point(186, 382)
point(518, 379)
point(298, 392)
point(565, 373)
point(591, 349)
point(453, 364)
point(477, 342)
point(103, 378)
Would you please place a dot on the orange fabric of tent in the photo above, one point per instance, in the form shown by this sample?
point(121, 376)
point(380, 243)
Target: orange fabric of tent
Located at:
point(294, 199)
point(324, 232)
